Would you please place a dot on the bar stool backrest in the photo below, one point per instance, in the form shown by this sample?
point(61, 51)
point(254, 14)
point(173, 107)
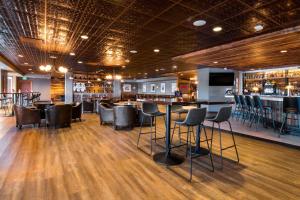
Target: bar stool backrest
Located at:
point(223, 114)
point(291, 104)
point(195, 116)
point(242, 100)
point(249, 101)
point(149, 107)
point(258, 102)
point(236, 99)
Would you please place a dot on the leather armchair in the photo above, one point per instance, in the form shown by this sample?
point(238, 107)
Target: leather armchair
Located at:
point(124, 116)
point(25, 116)
point(76, 111)
point(106, 113)
point(88, 106)
point(59, 116)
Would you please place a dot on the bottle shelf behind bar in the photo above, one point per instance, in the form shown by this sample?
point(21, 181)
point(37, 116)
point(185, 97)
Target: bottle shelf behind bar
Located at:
point(275, 82)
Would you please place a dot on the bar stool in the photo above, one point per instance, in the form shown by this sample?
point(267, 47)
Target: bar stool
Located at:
point(237, 108)
point(151, 111)
point(223, 116)
point(179, 110)
point(261, 112)
point(291, 106)
point(250, 108)
point(195, 117)
point(243, 106)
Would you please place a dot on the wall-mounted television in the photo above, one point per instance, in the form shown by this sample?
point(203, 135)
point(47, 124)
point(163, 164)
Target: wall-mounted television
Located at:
point(221, 79)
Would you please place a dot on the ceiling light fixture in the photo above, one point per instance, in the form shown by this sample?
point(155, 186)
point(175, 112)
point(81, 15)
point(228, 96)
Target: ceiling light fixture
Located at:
point(123, 66)
point(258, 27)
point(283, 51)
point(133, 51)
point(174, 67)
point(225, 68)
point(72, 54)
point(127, 60)
point(46, 68)
point(26, 63)
point(79, 61)
point(156, 50)
point(156, 70)
point(62, 69)
point(85, 37)
point(52, 57)
point(199, 22)
point(217, 29)
point(162, 69)
point(29, 69)
point(20, 55)
point(216, 62)
point(108, 77)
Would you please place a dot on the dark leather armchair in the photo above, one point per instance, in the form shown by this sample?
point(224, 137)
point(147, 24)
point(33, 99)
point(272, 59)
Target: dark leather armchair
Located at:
point(106, 113)
point(76, 111)
point(25, 116)
point(124, 116)
point(88, 106)
point(59, 116)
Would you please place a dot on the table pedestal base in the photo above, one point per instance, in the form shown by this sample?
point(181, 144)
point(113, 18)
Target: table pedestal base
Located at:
point(171, 159)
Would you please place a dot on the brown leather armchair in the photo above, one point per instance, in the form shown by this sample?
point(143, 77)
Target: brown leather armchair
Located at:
point(59, 116)
point(25, 116)
point(106, 113)
point(76, 111)
point(124, 116)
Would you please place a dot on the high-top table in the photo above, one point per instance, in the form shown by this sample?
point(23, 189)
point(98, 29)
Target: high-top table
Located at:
point(167, 157)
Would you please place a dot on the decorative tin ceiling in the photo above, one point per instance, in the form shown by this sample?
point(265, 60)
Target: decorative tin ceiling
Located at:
point(35, 32)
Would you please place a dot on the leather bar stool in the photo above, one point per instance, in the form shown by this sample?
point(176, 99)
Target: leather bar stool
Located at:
point(194, 118)
point(261, 113)
point(244, 106)
point(151, 111)
point(238, 107)
point(250, 108)
point(291, 107)
point(179, 110)
point(223, 116)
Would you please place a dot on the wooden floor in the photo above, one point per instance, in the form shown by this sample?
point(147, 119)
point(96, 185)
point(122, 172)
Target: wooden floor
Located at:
point(89, 161)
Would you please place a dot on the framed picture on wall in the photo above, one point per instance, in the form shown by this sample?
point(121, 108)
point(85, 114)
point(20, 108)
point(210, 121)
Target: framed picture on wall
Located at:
point(163, 87)
point(126, 88)
point(152, 88)
point(173, 87)
point(144, 88)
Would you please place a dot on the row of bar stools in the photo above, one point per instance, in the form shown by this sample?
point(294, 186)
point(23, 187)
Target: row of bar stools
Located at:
point(223, 116)
point(291, 107)
point(238, 107)
point(194, 118)
point(151, 111)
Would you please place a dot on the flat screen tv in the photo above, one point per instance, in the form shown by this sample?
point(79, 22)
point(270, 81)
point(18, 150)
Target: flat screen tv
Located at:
point(221, 79)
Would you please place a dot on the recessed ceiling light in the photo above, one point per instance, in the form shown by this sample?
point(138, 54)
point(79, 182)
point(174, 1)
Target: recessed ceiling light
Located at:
point(162, 69)
point(29, 69)
point(72, 54)
point(79, 61)
point(217, 29)
point(26, 63)
point(20, 55)
point(123, 66)
point(225, 68)
point(181, 74)
point(216, 62)
point(283, 51)
point(156, 70)
point(174, 66)
point(258, 27)
point(84, 37)
point(127, 60)
point(146, 73)
point(199, 22)
point(133, 51)
point(52, 57)
point(156, 50)
point(139, 73)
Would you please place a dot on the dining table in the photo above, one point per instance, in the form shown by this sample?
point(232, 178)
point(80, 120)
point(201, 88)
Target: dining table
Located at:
point(167, 157)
